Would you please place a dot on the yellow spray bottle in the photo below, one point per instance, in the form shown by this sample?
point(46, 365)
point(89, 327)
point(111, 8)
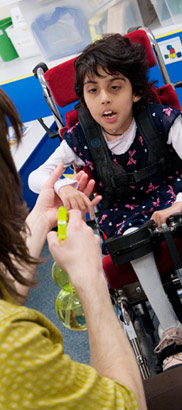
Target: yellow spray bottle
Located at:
point(68, 305)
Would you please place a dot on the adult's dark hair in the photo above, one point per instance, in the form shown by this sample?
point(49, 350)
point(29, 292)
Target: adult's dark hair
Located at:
point(115, 53)
point(13, 210)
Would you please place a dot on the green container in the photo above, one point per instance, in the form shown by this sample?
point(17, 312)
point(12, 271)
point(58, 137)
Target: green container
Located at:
point(7, 50)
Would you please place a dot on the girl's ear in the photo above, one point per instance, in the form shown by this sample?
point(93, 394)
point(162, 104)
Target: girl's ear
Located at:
point(136, 98)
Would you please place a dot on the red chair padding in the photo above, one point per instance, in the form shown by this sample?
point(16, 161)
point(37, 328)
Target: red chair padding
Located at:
point(123, 274)
point(62, 130)
point(168, 96)
point(71, 118)
point(60, 80)
point(140, 36)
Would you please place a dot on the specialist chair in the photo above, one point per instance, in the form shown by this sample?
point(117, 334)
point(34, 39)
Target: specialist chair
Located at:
point(129, 300)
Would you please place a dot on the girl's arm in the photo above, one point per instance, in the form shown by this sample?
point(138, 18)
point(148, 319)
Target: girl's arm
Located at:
point(174, 139)
point(175, 136)
point(161, 216)
point(62, 154)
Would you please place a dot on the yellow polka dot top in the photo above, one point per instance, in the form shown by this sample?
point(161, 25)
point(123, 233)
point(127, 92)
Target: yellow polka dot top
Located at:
point(35, 374)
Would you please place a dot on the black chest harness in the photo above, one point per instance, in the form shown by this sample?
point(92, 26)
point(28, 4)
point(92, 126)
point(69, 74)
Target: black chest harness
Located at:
point(115, 179)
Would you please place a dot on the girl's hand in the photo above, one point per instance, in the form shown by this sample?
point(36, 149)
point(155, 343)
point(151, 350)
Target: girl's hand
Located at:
point(160, 217)
point(75, 199)
point(48, 201)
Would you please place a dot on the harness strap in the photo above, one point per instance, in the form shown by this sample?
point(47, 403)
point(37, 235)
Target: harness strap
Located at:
point(146, 172)
point(99, 151)
point(169, 351)
point(172, 249)
point(98, 147)
point(147, 128)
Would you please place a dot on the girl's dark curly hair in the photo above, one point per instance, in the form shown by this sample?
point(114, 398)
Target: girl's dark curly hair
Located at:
point(13, 210)
point(115, 54)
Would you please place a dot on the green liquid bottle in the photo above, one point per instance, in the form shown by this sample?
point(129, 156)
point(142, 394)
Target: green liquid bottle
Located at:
point(68, 306)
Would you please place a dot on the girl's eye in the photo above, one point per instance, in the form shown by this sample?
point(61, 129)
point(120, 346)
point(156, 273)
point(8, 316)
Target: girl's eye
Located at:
point(116, 87)
point(92, 90)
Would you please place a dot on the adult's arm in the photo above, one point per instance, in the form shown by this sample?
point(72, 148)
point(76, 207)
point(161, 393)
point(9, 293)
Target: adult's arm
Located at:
point(110, 351)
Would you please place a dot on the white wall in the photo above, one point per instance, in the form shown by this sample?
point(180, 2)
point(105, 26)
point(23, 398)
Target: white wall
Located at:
point(5, 6)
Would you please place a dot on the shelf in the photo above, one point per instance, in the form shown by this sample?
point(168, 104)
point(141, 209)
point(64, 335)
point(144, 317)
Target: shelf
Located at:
point(21, 68)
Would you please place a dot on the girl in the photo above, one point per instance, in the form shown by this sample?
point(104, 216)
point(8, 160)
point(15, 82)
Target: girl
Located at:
point(112, 85)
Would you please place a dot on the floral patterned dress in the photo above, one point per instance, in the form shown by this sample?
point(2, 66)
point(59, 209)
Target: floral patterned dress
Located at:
point(139, 202)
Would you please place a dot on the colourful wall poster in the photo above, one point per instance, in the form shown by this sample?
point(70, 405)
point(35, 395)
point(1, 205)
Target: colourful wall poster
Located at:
point(171, 50)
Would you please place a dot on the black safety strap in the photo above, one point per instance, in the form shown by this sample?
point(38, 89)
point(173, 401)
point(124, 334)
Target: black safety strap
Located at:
point(177, 262)
point(146, 172)
point(157, 148)
point(169, 351)
point(97, 145)
point(100, 155)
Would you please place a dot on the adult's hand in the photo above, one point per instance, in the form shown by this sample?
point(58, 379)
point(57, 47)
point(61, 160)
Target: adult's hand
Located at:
point(80, 253)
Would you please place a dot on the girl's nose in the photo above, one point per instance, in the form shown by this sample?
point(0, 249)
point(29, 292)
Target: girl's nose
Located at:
point(104, 98)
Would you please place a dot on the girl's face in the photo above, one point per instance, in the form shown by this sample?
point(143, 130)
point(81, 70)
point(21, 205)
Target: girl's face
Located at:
point(110, 99)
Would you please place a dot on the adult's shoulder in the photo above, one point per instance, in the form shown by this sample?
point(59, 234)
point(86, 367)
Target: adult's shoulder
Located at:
point(12, 315)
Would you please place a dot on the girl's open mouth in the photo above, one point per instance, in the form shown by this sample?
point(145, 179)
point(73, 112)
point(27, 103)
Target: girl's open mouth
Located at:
point(109, 115)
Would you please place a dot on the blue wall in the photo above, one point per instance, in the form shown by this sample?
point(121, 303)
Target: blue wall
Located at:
point(28, 98)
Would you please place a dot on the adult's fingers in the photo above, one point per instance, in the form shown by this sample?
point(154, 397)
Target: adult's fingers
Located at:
point(74, 218)
point(52, 240)
point(54, 176)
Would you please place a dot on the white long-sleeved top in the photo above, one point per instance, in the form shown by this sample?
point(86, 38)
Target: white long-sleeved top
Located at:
point(118, 146)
